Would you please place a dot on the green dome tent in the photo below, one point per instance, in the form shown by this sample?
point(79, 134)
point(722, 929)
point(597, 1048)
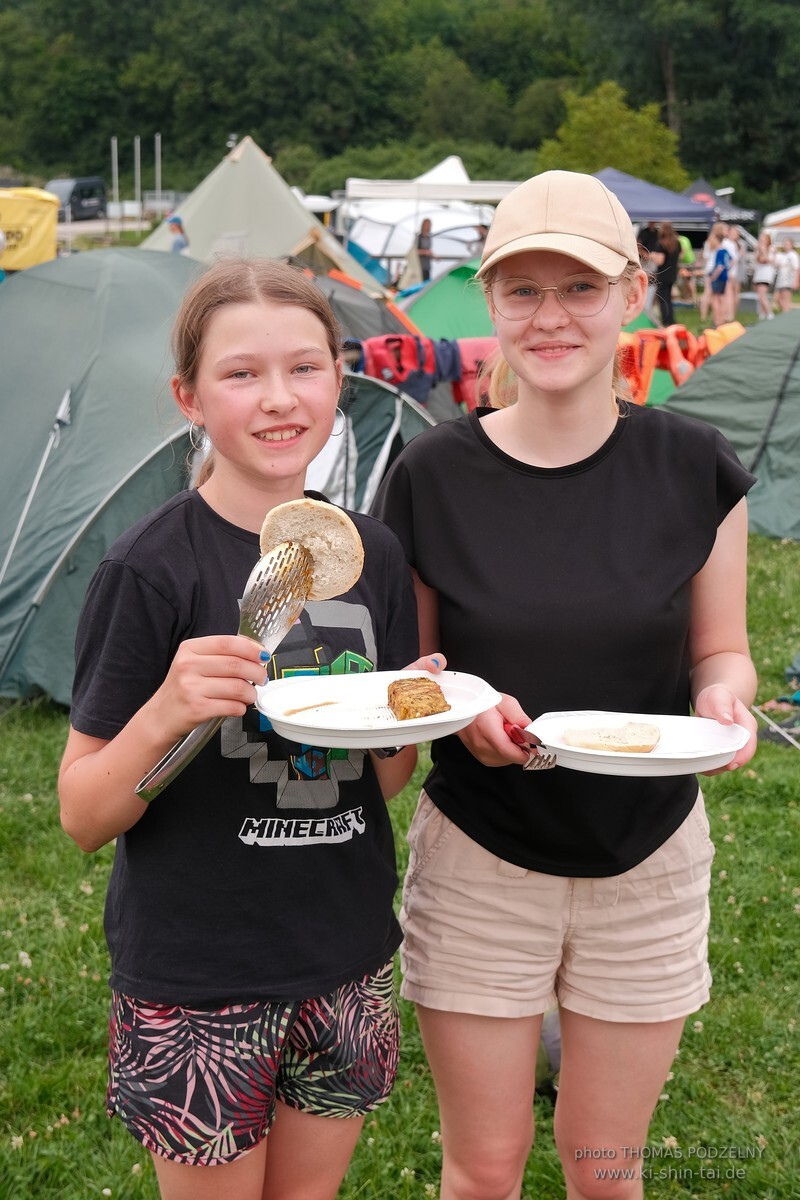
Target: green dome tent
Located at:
point(92, 439)
point(750, 390)
point(380, 420)
point(452, 305)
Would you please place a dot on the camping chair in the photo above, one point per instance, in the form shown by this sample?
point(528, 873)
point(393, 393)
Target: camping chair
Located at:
point(712, 341)
point(637, 359)
point(677, 350)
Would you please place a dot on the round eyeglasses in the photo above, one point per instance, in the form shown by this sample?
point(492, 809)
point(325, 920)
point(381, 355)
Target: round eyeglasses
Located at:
point(583, 295)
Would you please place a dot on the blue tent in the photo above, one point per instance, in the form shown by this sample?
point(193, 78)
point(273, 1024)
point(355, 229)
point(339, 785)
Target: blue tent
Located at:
point(647, 202)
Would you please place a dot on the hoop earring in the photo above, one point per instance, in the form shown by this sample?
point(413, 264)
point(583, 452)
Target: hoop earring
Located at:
point(197, 443)
point(342, 423)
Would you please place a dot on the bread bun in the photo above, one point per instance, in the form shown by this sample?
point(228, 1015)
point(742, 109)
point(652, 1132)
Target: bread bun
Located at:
point(634, 737)
point(327, 533)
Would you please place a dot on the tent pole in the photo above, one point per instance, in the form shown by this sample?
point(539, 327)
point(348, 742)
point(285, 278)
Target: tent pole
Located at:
point(62, 418)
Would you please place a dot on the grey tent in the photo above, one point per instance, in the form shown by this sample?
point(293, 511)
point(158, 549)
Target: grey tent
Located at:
point(92, 439)
point(245, 207)
point(750, 390)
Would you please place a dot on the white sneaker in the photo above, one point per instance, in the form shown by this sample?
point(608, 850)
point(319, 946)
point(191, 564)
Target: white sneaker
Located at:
point(770, 315)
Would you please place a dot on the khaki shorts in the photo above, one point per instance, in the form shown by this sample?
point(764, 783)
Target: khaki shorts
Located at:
point(484, 936)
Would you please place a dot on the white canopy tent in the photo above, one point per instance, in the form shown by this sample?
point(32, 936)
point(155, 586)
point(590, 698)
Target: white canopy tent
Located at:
point(784, 223)
point(382, 217)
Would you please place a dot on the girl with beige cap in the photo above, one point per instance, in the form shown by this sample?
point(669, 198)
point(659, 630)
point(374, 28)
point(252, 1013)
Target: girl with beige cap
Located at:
point(579, 552)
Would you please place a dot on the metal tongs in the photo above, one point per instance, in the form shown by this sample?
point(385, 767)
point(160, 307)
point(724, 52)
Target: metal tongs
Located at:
point(539, 757)
point(274, 596)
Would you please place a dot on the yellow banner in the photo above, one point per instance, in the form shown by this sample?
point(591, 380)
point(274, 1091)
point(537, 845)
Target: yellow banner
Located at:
point(29, 219)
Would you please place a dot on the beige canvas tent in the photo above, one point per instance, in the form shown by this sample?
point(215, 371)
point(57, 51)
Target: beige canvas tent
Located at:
point(245, 207)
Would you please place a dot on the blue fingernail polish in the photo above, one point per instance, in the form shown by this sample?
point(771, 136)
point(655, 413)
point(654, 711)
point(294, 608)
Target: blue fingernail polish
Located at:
point(265, 656)
point(434, 660)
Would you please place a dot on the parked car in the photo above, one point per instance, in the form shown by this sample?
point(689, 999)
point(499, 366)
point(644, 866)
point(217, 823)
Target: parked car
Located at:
point(79, 199)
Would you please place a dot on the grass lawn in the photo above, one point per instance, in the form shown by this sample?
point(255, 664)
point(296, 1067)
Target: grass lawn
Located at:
point(733, 1087)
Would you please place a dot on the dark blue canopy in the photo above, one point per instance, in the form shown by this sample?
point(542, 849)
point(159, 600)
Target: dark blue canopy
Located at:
point(648, 202)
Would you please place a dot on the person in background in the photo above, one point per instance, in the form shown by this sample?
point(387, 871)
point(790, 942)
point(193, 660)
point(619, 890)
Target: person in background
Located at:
point(476, 248)
point(764, 276)
point(787, 274)
point(718, 282)
point(710, 247)
point(424, 250)
point(180, 240)
point(732, 242)
point(249, 914)
point(687, 270)
point(647, 239)
point(529, 887)
point(665, 256)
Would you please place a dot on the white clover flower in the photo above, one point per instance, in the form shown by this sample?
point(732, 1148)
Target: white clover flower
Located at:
point(698, 1027)
point(670, 1142)
point(436, 1136)
point(24, 958)
point(136, 1168)
point(17, 1141)
point(86, 887)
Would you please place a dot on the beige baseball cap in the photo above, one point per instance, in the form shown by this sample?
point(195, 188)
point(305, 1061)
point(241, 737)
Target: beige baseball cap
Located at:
point(566, 212)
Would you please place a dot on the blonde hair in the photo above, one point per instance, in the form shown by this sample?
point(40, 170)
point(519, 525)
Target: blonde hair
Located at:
point(237, 280)
point(497, 381)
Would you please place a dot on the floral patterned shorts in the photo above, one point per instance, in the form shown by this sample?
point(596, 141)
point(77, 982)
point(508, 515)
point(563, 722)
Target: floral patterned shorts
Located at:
point(199, 1085)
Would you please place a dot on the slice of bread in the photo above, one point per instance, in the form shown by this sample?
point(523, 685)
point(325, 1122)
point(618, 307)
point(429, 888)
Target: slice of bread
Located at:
point(410, 699)
point(327, 533)
point(634, 737)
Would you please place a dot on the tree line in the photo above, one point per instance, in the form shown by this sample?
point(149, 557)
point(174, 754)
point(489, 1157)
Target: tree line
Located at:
point(666, 89)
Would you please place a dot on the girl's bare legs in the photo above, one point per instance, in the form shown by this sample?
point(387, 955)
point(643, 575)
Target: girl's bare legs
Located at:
point(304, 1157)
point(484, 1070)
point(612, 1074)
point(705, 299)
point(307, 1155)
point(239, 1180)
point(611, 1077)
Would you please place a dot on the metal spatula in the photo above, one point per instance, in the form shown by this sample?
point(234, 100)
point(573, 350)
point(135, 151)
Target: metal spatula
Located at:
point(274, 597)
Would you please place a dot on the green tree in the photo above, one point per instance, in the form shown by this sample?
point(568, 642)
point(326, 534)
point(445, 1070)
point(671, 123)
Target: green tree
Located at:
point(602, 131)
point(721, 71)
point(539, 111)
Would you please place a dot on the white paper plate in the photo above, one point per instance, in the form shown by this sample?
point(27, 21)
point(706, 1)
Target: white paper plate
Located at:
point(350, 711)
point(687, 744)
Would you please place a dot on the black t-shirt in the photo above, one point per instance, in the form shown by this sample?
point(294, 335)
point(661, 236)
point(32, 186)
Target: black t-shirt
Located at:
point(568, 588)
point(667, 273)
point(266, 869)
